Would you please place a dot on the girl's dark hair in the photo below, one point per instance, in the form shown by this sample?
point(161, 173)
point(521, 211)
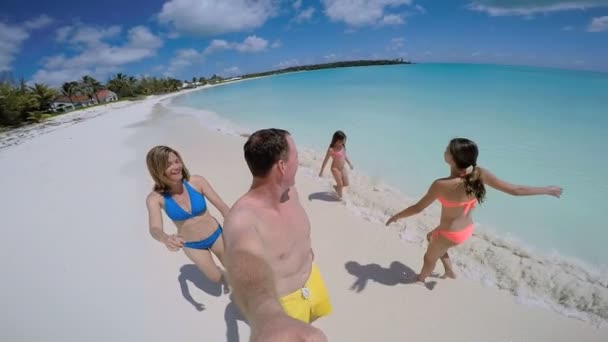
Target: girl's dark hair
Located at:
point(464, 153)
point(338, 135)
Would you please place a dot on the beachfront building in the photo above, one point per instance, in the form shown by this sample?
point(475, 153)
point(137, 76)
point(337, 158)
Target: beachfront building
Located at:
point(77, 101)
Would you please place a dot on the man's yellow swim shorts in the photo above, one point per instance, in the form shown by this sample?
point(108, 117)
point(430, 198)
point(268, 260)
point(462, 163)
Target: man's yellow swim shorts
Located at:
point(310, 302)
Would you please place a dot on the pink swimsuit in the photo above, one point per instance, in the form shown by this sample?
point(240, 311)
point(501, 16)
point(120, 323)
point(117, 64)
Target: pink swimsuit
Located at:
point(337, 154)
point(459, 236)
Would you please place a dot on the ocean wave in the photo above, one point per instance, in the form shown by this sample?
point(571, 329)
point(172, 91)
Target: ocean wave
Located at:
point(567, 286)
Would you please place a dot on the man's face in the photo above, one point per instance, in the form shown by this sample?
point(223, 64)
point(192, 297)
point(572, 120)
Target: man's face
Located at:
point(291, 164)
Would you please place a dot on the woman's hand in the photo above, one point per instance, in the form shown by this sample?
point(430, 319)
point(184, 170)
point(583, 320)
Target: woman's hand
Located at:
point(174, 242)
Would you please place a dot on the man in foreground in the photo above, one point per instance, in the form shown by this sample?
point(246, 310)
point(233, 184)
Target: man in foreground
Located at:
point(269, 257)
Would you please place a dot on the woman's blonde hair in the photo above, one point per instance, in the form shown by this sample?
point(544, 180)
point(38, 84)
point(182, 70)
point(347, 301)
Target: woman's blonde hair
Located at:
point(157, 161)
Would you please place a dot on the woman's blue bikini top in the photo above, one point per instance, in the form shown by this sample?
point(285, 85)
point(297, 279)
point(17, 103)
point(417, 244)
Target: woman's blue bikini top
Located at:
point(177, 213)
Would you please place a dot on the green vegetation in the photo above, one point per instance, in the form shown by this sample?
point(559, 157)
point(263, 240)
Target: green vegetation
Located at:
point(21, 104)
point(342, 64)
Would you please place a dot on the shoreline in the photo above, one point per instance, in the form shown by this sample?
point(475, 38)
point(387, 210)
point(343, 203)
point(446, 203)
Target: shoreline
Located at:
point(556, 283)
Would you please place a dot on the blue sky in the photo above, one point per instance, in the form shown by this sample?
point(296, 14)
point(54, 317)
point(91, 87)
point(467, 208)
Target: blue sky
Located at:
point(54, 42)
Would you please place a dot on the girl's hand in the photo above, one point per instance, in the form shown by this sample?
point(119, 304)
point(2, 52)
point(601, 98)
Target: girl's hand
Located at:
point(555, 191)
point(391, 220)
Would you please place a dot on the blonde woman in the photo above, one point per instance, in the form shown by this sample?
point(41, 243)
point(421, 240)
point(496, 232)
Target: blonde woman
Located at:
point(183, 198)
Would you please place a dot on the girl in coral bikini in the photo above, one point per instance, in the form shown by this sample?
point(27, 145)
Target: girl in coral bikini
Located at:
point(337, 151)
point(458, 194)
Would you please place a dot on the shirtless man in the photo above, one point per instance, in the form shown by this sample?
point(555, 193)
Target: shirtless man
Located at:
point(268, 253)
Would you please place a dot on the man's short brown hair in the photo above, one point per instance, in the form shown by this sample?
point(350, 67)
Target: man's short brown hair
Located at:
point(264, 148)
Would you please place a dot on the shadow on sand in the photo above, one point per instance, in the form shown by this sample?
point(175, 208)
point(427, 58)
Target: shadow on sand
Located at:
point(232, 314)
point(396, 273)
point(323, 196)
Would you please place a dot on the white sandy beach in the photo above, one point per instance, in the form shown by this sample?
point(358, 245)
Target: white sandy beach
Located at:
point(78, 263)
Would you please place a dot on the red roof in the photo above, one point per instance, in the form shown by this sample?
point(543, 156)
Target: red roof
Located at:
point(101, 95)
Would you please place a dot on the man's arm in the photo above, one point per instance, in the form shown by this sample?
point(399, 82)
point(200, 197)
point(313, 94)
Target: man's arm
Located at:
point(249, 273)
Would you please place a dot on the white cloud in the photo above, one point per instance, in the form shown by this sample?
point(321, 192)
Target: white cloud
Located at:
point(568, 28)
point(598, 24)
point(297, 4)
point(12, 36)
point(213, 17)
point(217, 45)
point(331, 57)
point(392, 19)
point(57, 77)
point(250, 44)
point(276, 44)
point(183, 58)
point(288, 63)
point(363, 12)
point(420, 9)
point(173, 35)
point(92, 35)
point(531, 7)
point(96, 57)
point(305, 15)
point(37, 23)
point(62, 33)
point(232, 71)
point(141, 37)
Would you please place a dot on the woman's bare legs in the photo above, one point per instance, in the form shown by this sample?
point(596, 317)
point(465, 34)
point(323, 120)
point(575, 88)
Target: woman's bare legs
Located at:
point(204, 261)
point(339, 183)
point(437, 248)
point(218, 250)
point(445, 260)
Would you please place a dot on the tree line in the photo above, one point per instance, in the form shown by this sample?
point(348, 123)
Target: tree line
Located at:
point(22, 103)
point(341, 64)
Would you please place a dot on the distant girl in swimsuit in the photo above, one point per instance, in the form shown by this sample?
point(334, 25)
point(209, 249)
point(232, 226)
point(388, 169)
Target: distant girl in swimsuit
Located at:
point(337, 151)
point(458, 194)
point(182, 197)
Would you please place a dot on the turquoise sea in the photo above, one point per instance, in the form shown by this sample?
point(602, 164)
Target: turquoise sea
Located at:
point(533, 126)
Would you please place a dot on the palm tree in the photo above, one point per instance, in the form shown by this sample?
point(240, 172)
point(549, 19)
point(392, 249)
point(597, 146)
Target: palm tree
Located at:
point(131, 83)
point(91, 86)
point(69, 89)
point(15, 104)
point(43, 95)
point(122, 85)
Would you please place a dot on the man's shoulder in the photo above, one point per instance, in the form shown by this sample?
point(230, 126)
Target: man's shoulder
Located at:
point(243, 209)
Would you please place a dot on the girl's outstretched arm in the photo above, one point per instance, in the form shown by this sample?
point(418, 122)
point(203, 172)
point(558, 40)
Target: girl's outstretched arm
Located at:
point(517, 190)
point(324, 162)
point(424, 202)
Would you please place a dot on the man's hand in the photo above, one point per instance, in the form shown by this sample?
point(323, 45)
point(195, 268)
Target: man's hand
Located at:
point(282, 328)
